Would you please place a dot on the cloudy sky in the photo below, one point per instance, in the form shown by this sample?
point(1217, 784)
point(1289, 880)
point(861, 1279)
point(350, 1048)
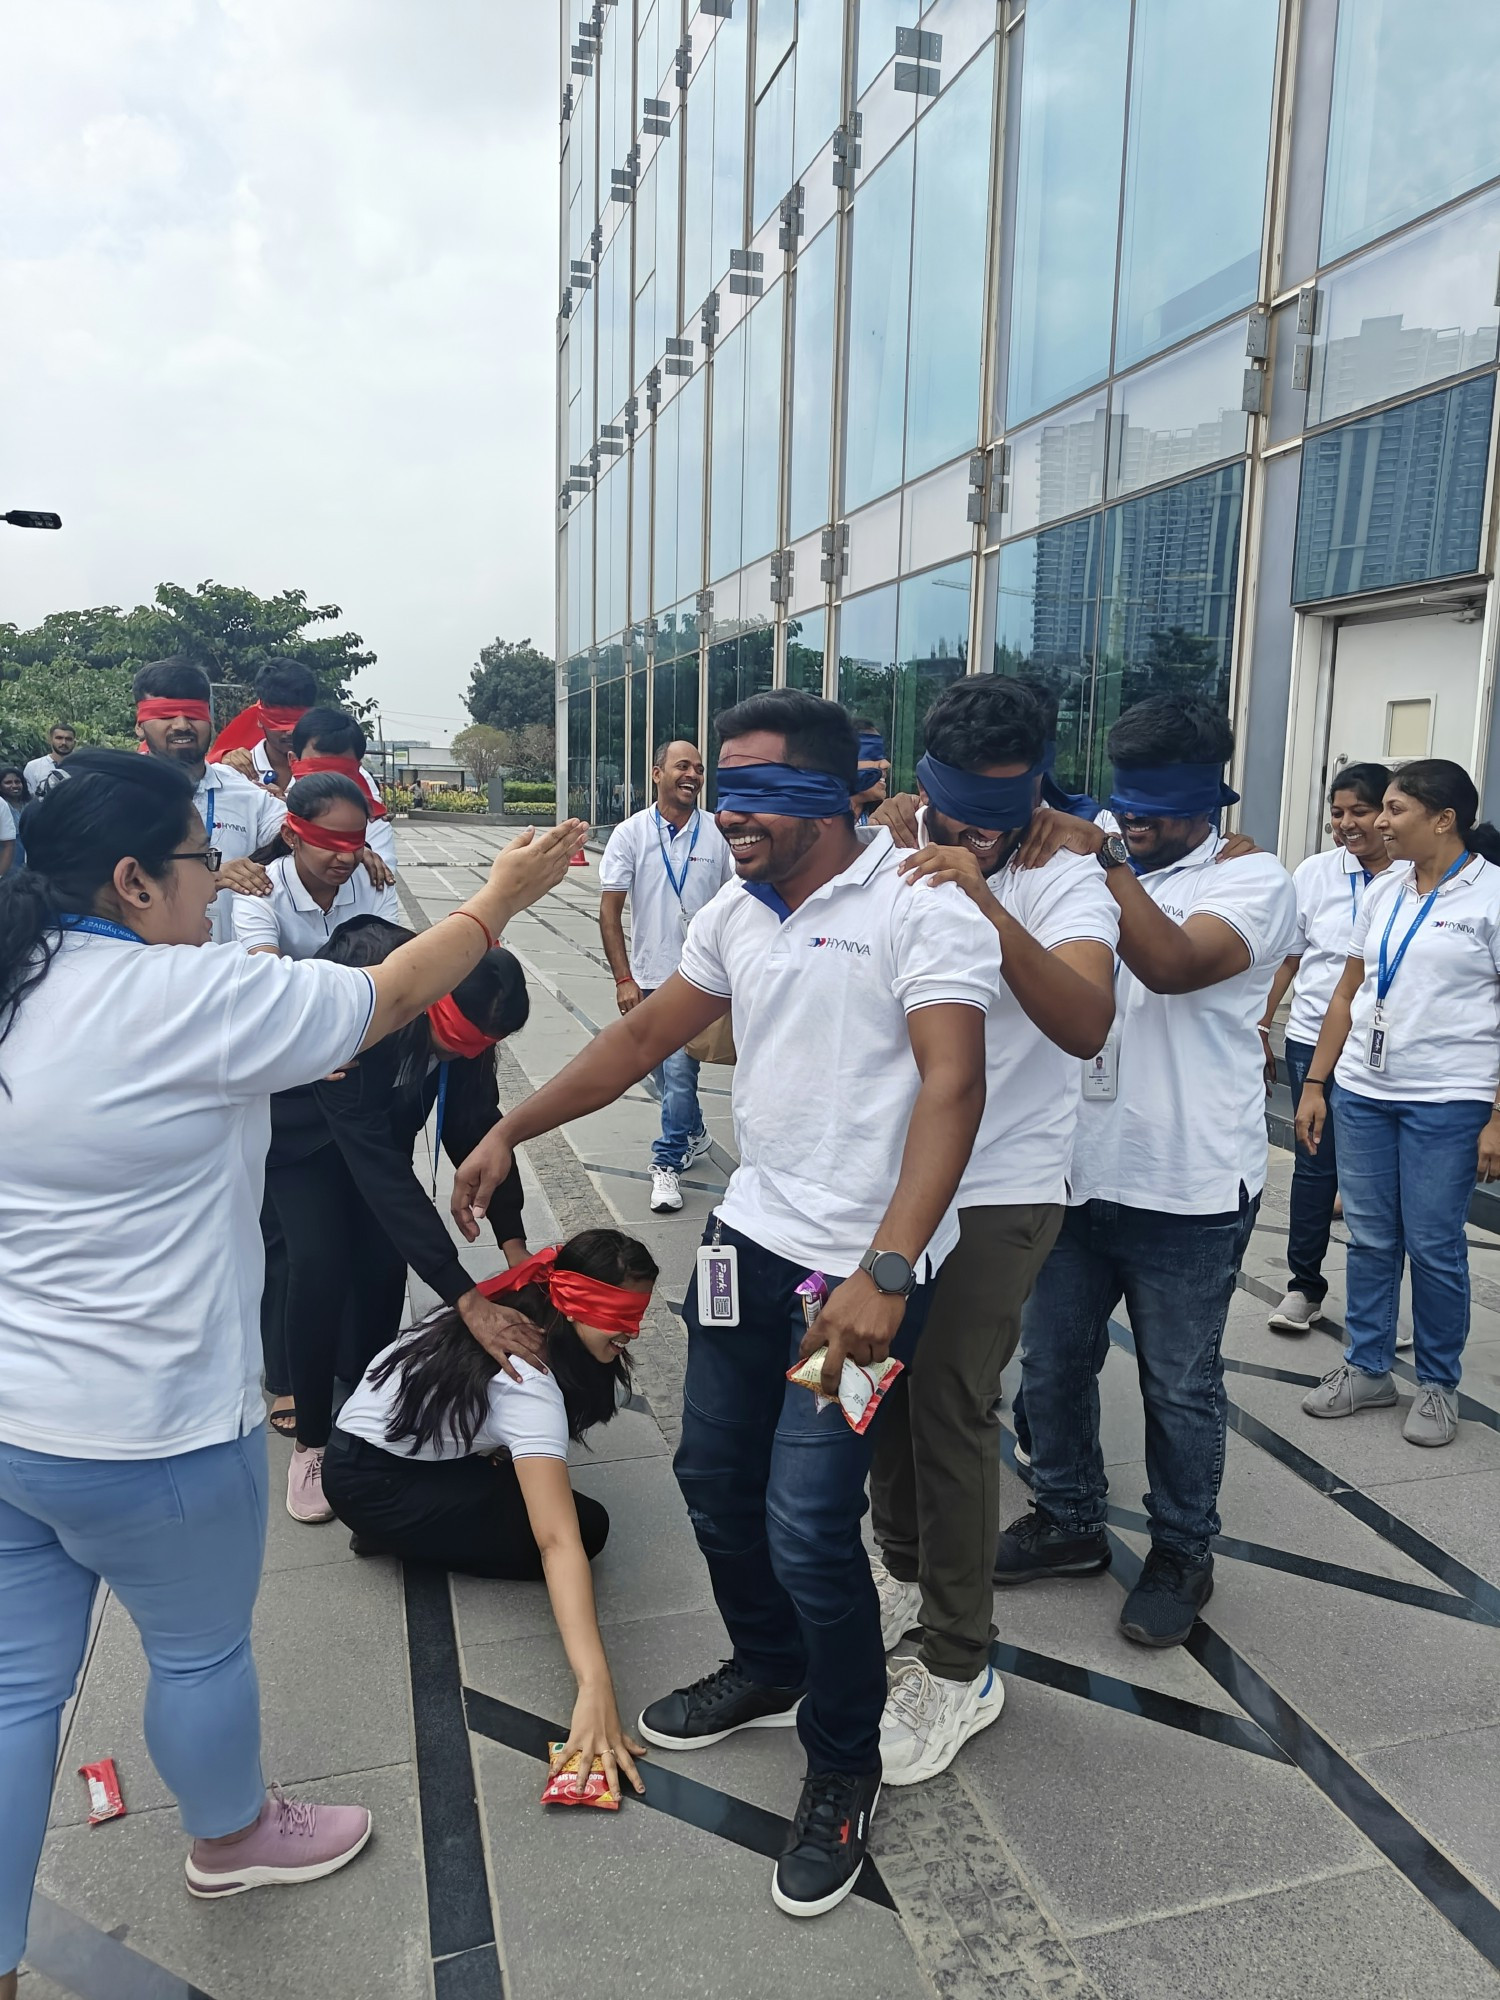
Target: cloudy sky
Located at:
point(277, 307)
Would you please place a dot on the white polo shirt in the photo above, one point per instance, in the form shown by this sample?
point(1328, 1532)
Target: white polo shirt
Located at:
point(1188, 1122)
point(291, 922)
point(7, 822)
point(636, 860)
point(527, 1418)
point(1330, 888)
point(1443, 1007)
point(240, 817)
point(42, 773)
point(825, 1078)
point(382, 833)
point(136, 1127)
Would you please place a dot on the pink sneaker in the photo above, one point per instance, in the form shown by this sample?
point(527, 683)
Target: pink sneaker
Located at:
point(291, 1842)
point(304, 1488)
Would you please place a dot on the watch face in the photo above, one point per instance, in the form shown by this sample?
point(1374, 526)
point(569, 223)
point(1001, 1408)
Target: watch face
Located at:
point(1116, 853)
point(891, 1272)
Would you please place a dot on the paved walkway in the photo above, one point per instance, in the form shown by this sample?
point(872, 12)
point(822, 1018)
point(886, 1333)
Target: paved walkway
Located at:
point(1304, 1801)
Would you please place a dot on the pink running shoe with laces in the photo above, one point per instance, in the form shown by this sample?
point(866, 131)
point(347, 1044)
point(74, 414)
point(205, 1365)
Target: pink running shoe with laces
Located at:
point(304, 1488)
point(292, 1841)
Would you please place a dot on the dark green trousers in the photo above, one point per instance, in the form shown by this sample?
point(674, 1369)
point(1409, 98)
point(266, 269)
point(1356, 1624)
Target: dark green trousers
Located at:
point(935, 1478)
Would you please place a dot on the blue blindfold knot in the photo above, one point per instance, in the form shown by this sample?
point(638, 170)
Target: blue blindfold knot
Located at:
point(1170, 791)
point(783, 790)
point(997, 805)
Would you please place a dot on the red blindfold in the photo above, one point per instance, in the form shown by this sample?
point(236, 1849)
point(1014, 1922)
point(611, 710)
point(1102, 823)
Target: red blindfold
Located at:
point(167, 707)
point(317, 835)
point(456, 1031)
point(250, 725)
point(588, 1299)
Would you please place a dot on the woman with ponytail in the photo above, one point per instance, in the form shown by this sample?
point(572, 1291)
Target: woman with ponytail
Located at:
point(1412, 1038)
point(135, 1074)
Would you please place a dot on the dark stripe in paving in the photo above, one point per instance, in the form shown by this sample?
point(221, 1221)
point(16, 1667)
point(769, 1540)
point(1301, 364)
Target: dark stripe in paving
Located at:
point(1065, 1677)
point(91, 1964)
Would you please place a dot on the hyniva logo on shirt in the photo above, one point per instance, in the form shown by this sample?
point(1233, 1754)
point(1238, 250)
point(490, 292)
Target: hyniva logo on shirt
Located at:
point(1452, 924)
point(849, 945)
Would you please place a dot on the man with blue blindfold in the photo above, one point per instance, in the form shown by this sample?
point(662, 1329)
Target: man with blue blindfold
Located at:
point(859, 1010)
point(1168, 1167)
point(874, 770)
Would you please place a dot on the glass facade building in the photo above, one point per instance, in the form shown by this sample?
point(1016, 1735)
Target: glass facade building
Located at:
point(1132, 345)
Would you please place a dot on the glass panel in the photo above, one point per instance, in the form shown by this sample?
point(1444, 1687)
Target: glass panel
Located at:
point(664, 551)
point(867, 657)
point(1394, 498)
point(808, 587)
point(648, 59)
point(1056, 467)
point(640, 526)
point(730, 89)
point(580, 795)
point(1072, 128)
point(804, 651)
point(963, 25)
point(773, 146)
point(1046, 614)
point(640, 750)
point(812, 385)
point(610, 664)
point(1166, 623)
point(645, 224)
point(1408, 728)
point(820, 69)
point(609, 754)
point(762, 424)
point(885, 115)
point(1441, 279)
point(935, 522)
point(878, 22)
point(698, 189)
point(1195, 174)
point(690, 402)
point(874, 544)
point(610, 554)
point(1180, 414)
point(774, 21)
point(948, 270)
point(932, 650)
point(1413, 121)
point(645, 331)
point(739, 665)
point(878, 288)
point(676, 689)
point(666, 163)
point(727, 463)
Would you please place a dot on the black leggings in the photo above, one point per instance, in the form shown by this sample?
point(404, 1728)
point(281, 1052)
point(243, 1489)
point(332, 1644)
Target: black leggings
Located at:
point(345, 1283)
point(455, 1513)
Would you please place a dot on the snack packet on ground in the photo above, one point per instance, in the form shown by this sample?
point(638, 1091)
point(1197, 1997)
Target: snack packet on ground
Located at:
point(561, 1788)
point(106, 1800)
point(860, 1389)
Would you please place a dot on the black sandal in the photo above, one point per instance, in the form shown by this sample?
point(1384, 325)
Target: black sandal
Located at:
point(284, 1423)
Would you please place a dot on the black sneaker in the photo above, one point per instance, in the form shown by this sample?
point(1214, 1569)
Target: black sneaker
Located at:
point(693, 1717)
point(1172, 1591)
point(1035, 1547)
point(826, 1849)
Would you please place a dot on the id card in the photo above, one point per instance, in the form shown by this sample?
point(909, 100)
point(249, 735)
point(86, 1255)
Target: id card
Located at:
point(718, 1285)
point(1101, 1072)
point(1376, 1046)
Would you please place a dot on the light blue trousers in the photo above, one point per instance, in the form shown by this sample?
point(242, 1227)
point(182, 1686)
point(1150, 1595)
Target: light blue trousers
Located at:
point(180, 1542)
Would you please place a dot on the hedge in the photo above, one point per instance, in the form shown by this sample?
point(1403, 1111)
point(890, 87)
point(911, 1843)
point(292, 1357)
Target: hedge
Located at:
point(530, 791)
point(441, 802)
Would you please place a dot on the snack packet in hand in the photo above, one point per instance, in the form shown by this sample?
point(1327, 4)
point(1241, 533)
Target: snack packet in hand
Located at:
point(860, 1389)
point(561, 1788)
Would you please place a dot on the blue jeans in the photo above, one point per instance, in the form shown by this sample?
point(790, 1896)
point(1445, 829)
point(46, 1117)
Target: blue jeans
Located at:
point(681, 1117)
point(1315, 1186)
point(179, 1541)
point(1408, 1174)
point(1176, 1275)
point(775, 1489)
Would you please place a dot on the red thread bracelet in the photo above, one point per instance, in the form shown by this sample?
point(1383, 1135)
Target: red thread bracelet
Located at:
point(484, 927)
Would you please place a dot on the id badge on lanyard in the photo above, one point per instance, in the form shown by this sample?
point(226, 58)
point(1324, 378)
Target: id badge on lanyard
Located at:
point(1101, 1073)
point(718, 1281)
point(1377, 1047)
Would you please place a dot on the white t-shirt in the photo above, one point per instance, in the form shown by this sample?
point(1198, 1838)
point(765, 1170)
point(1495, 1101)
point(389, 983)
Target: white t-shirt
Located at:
point(42, 773)
point(636, 859)
point(7, 822)
point(1330, 888)
point(289, 921)
point(526, 1418)
point(240, 817)
point(136, 1129)
point(1188, 1122)
point(1443, 1007)
point(825, 1078)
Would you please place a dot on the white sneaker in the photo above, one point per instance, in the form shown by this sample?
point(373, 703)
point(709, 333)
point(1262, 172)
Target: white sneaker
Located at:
point(1297, 1313)
point(697, 1147)
point(1406, 1340)
point(900, 1604)
point(665, 1192)
point(1023, 1456)
point(927, 1720)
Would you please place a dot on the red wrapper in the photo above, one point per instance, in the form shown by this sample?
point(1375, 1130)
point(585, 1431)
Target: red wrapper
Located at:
point(561, 1788)
point(106, 1801)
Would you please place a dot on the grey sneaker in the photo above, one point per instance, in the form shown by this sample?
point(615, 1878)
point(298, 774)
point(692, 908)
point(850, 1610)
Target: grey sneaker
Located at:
point(1406, 1340)
point(1433, 1417)
point(1347, 1391)
point(900, 1604)
point(698, 1148)
point(1297, 1313)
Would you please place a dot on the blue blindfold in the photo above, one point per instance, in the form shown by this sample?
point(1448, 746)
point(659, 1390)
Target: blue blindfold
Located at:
point(1170, 791)
point(996, 804)
point(871, 756)
point(781, 789)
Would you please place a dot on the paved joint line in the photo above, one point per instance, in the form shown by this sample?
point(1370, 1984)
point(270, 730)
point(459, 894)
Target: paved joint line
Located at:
point(92, 1965)
point(1193, 1718)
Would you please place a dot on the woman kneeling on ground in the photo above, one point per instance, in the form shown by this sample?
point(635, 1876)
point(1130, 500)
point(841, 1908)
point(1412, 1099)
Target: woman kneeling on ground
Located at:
point(414, 1464)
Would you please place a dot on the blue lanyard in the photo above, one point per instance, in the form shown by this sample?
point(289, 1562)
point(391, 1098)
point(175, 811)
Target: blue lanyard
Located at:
point(1386, 974)
point(666, 860)
point(1354, 893)
point(442, 1106)
point(208, 817)
point(101, 927)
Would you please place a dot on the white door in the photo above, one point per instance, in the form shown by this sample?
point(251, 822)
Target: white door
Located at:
point(1402, 688)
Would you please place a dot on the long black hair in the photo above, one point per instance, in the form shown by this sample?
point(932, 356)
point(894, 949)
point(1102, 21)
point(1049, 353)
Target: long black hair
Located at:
point(310, 798)
point(109, 808)
point(445, 1375)
point(1368, 782)
point(1441, 786)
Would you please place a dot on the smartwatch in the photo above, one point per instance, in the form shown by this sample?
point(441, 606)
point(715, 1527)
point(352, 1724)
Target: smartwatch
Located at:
point(890, 1272)
point(1114, 853)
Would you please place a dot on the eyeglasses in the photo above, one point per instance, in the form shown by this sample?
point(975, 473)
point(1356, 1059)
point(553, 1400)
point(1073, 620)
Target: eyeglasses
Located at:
point(211, 858)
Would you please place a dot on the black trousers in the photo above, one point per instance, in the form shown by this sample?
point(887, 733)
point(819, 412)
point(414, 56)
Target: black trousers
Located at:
point(458, 1513)
point(345, 1283)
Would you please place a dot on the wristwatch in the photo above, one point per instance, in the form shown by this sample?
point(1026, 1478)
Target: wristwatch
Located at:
point(1114, 853)
point(891, 1272)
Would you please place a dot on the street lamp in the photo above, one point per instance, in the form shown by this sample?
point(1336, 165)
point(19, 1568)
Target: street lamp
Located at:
point(27, 517)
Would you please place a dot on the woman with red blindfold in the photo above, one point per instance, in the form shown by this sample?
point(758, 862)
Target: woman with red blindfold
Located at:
point(439, 1457)
point(317, 882)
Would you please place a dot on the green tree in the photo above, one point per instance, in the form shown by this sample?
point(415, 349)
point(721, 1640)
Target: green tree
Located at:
point(482, 750)
point(513, 685)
